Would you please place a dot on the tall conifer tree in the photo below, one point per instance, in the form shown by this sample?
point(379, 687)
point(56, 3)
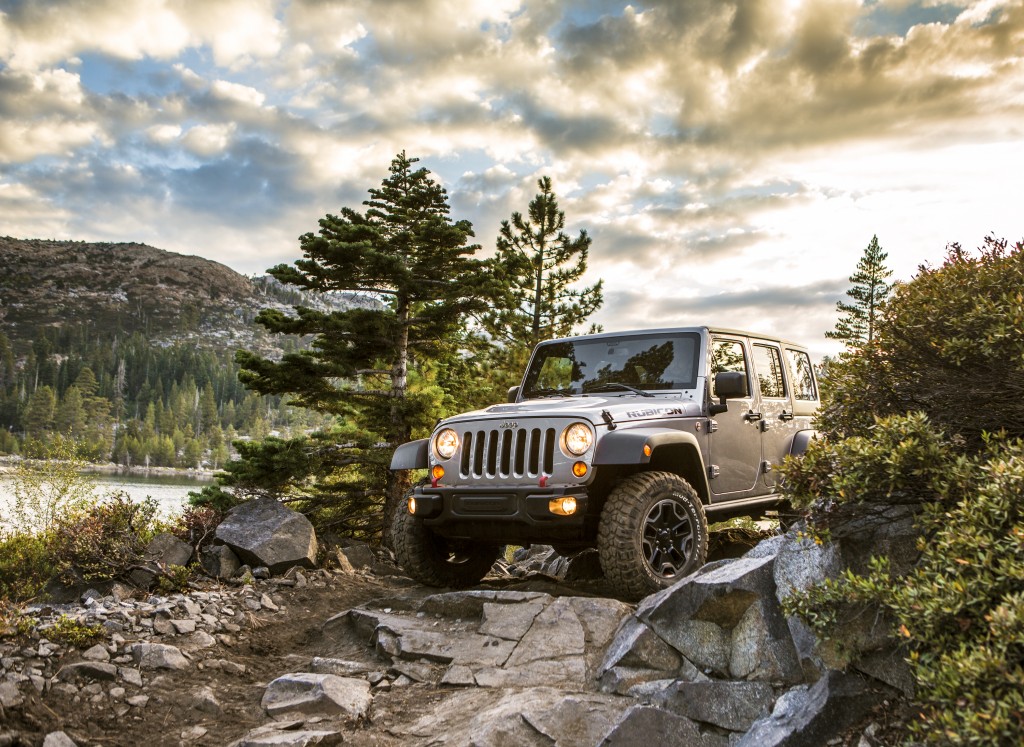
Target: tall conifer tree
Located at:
point(538, 266)
point(869, 291)
point(406, 252)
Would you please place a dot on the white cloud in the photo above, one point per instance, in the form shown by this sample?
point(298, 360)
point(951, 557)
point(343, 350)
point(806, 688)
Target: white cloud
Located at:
point(208, 140)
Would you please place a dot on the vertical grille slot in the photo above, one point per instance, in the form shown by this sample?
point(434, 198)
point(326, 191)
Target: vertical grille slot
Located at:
point(524, 452)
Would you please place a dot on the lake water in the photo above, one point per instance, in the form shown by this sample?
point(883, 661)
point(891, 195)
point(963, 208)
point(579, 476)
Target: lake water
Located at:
point(169, 491)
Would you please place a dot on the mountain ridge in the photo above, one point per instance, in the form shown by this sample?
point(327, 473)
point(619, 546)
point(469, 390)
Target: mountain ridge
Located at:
point(132, 287)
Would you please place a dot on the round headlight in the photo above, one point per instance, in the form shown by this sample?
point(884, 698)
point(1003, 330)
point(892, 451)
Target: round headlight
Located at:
point(577, 439)
point(446, 442)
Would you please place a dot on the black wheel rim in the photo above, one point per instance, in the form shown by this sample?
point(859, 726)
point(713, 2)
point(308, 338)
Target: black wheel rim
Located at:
point(667, 538)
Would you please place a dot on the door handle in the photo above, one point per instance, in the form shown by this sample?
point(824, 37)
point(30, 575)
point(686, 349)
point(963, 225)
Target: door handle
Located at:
point(786, 416)
point(753, 416)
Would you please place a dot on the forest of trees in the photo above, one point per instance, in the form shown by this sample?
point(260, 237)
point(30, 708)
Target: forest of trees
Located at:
point(126, 400)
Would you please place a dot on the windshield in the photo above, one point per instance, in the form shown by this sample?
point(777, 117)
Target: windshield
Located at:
point(609, 364)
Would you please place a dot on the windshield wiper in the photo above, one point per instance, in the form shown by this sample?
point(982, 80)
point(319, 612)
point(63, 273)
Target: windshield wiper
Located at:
point(612, 386)
point(542, 392)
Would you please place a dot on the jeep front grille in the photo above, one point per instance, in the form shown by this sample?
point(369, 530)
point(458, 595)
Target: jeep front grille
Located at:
point(523, 452)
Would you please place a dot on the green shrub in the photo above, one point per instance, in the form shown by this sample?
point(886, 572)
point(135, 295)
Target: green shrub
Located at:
point(26, 564)
point(900, 460)
point(106, 540)
point(960, 612)
point(949, 344)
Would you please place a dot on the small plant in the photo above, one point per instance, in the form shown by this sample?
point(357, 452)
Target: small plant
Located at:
point(12, 622)
point(71, 632)
point(175, 578)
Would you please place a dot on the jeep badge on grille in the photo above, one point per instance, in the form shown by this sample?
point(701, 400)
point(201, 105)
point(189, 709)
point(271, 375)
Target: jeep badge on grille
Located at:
point(509, 424)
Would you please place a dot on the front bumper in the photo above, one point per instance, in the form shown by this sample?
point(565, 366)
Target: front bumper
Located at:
point(512, 514)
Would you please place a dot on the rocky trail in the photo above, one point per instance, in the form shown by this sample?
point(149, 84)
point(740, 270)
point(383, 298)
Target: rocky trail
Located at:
point(362, 655)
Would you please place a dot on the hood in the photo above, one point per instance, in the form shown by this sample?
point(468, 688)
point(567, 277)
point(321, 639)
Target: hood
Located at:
point(622, 408)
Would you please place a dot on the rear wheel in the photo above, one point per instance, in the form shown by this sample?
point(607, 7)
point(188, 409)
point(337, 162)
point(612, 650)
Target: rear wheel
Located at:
point(436, 561)
point(653, 532)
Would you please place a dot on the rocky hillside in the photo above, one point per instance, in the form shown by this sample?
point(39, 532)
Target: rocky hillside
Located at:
point(134, 287)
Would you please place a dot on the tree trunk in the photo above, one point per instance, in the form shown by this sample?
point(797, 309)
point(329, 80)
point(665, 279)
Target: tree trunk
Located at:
point(397, 483)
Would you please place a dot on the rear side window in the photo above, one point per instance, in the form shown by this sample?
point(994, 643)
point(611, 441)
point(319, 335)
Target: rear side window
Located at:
point(800, 373)
point(768, 365)
point(726, 355)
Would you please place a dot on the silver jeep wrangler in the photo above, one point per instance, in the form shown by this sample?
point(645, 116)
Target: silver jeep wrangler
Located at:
point(624, 441)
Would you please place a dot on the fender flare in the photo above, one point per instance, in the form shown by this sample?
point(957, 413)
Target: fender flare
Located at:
point(412, 455)
point(627, 447)
point(801, 441)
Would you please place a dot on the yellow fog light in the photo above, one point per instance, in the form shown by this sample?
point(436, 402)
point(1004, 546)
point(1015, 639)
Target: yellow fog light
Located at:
point(564, 506)
point(411, 504)
point(579, 469)
point(437, 472)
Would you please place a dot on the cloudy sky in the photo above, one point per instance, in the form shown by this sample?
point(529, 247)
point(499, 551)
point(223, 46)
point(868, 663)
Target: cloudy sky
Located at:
point(730, 158)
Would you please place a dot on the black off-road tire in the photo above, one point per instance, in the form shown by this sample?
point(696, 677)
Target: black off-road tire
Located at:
point(436, 561)
point(653, 532)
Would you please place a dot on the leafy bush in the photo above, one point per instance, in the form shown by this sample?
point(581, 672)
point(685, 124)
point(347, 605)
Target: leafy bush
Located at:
point(960, 611)
point(899, 460)
point(949, 344)
point(105, 540)
point(26, 564)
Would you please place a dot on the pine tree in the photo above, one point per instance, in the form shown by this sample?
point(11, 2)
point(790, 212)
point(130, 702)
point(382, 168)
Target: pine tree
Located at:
point(869, 292)
point(538, 266)
point(406, 251)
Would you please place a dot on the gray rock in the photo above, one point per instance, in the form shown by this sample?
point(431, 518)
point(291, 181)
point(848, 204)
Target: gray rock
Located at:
point(510, 621)
point(274, 737)
point(10, 696)
point(220, 561)
point(458, 674)
point(720, 595)
point(622, 680)
point(159, 656)
point(811, 717)
point(730, 705)
point(205, 700)
point(96, 653)
point(762, 646)
point(93, 670)
point(58, 739)
point(339, 667)
point(644, 725)
point(636, 645)
point(164, 550)
point(130, 676)
point(358, 555)
point(308, 692)
point(264, 532)
point(889, 665)
point(556, 633)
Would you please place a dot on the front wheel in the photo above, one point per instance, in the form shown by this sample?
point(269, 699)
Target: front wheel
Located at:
point(436, 561)
point(653, 532)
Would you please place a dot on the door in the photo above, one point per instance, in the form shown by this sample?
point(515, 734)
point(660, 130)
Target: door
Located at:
point(734, 438)
point(777, 420)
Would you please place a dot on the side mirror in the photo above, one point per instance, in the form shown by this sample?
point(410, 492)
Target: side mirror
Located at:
point(513, 393)
point(729, 385)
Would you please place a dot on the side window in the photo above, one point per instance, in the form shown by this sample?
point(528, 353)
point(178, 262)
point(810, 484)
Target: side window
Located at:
point(726, 355)
point(800, 373)
point(768, 365)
